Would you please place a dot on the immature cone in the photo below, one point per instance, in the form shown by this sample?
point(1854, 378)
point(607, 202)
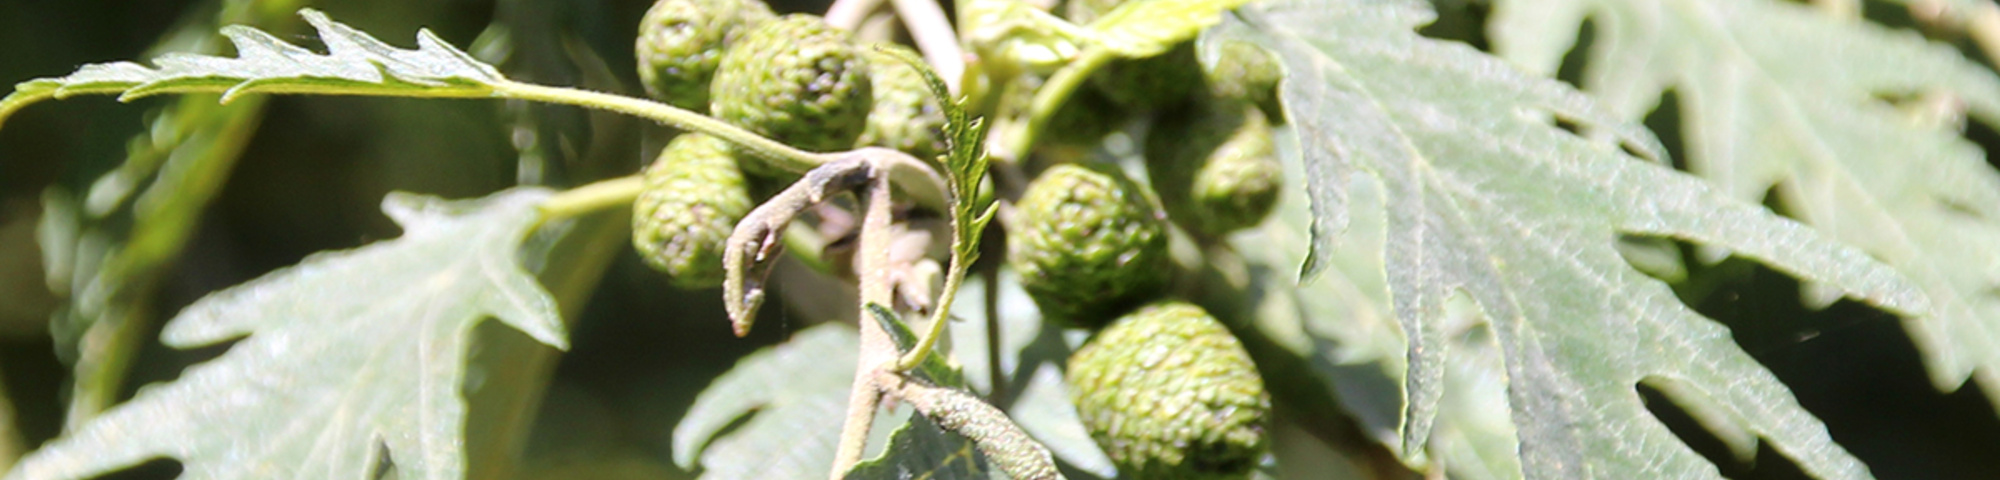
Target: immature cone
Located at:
point(1170, 394)
point(1088, 243)
point(1215, 168)
point(681, 43)
point(694, 196)
point(906, 116)
point(796, 80)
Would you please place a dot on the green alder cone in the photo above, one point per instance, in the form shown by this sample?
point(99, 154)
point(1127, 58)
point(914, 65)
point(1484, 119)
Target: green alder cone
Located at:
point(681, 43)
point(798, 81)
point(906, 116)
point(1088, 243)
point(1215, 168)
point(694, 196)
point(1170, 394)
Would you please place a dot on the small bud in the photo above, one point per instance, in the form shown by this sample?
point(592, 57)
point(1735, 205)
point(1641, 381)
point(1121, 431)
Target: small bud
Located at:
point(1087, 242)
point(796, 80)
point(681, 43)
point(694, 196)
point(1170, 394)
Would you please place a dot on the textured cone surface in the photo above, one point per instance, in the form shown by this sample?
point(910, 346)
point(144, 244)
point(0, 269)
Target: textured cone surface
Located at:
point(905, 116)
point(1215, 168)
point(798, 81)
point(1088, 243)
point(1170, 394)
point(681, 43)
point(694, 196)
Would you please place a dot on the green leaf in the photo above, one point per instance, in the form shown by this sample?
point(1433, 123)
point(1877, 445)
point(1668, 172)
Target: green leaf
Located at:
point(1340, 325)
point(355, 64)
point(1775, 94)
point(965, 166)
point(921, 450)
point(1484, 198)
point(348, 356)
point(1143, 29)
point(796, 396)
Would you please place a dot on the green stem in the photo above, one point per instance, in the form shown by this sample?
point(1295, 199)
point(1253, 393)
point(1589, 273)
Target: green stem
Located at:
point(601, 195)
point(778, 154)
point(1053, 93)
point(939, 315)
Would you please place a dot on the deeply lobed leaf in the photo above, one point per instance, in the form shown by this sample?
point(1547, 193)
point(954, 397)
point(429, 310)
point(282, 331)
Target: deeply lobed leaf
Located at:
point(1774, 94)
point(355, 64)
point(1485, 198)
point(348, 355)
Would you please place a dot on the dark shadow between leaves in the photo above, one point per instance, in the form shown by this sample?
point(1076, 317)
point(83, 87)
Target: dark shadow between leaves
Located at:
point(1736, 455)
point(152, 469)
point(1849, 364)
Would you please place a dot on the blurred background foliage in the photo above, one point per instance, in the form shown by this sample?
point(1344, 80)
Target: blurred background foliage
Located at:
point(311, 176)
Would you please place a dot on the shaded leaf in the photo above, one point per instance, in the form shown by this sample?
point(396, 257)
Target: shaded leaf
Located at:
point(348, 355)
point(355, 64)
point(796, 397)
point(1775, 94)
point(919, 450)
point(1484, 198)
point(1032, 353)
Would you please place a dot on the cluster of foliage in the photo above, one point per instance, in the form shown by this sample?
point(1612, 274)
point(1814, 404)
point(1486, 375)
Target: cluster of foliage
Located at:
point(1093, 239)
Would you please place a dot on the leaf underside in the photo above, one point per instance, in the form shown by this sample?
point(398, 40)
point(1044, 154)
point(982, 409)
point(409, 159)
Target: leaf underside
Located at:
point(1776, 94)
point(1485, 198)
point(345, 356)
point(795, 394)
point(355, 64)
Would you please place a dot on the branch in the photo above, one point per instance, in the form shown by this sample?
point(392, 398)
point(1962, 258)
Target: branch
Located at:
point(877, 349)
point(1002, 441)
point(848, 14)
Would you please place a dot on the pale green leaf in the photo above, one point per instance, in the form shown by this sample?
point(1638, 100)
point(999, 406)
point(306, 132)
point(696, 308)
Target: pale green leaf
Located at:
point(1485, 198)
point(355, 64)
point(796, 396)
point(1148, 28)
point(1772, 93)
point(1340, 324)
point(349, 355)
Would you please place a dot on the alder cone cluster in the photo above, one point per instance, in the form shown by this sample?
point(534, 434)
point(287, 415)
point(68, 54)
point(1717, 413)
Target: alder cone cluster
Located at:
point(681, 43)
point(798, 81)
